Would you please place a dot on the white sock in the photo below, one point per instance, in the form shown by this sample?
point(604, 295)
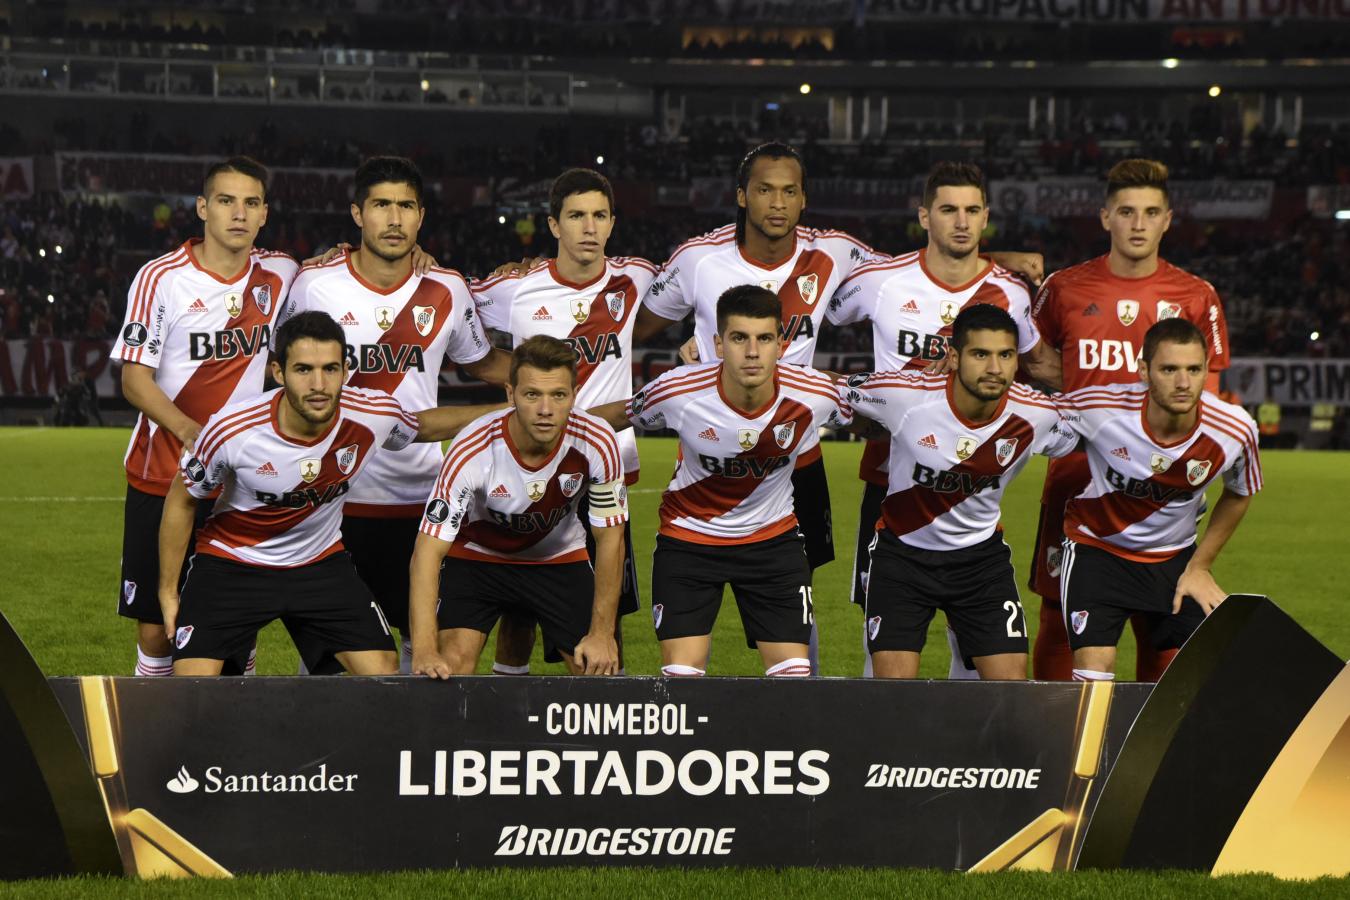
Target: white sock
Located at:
point(1092, 675)
point(251, 667)
point(675, 670)
point(796, 667)
point(867, 652)
point(622, 671)
point(405, 657)
point(813, 650)
point(958, 671)
point(152, 666)
point(503, 669)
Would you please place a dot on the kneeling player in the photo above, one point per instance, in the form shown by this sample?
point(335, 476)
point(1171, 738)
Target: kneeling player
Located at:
point(956, 442)
point(272, 547)
point(1130, 536)
point(727, 516)
point(502, 520)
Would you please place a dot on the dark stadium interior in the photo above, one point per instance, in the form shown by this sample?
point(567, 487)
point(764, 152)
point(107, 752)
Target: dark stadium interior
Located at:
point(492, 99)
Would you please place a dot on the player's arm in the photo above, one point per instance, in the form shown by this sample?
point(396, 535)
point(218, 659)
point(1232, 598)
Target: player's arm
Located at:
point(598, 654)
point(1043, 366)
point(1197, 581)
point(142, 391)
point(424, 579)
point(615, 414)
point(494, 368)
point(175, 530)
point(441, 423)
point(1030, 266)
point(515, 268)
point(649, 325)
point(867, 429)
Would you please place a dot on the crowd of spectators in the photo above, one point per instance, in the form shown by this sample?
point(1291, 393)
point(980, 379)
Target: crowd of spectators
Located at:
point(1285, 294)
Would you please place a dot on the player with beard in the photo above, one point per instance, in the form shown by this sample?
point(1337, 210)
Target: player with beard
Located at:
point(1153, 447)
point(399, 326)
point(912, 302)
point(956, 443)
point(272, 548)
point(195, 339)
point(1096, 314)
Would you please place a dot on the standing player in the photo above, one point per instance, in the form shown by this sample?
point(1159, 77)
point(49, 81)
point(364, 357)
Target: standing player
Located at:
point(956, 443)
point(1153, 447)
point(399, 325)
point(1096, 314)
point(590, 301)
point(913, 301)
point(195, 339)
point(727, 515)
point(283, 463)
point(501, 530)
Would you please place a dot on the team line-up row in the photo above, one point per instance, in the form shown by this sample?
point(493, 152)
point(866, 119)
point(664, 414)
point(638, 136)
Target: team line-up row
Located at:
point(494, 529)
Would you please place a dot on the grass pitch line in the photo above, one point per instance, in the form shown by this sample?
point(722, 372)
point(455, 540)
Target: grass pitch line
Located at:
point(62, 499)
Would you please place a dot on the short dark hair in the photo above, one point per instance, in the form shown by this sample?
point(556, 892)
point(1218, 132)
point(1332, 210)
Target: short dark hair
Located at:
point(544, 353)
point(770, 150)
point(577, 181)
point(1137, 173)
point(314, 324)
point(386, 170)
point(1173, 331)
point(244, 165)
point(749, 300)
point(981, 317)
point(953, 174)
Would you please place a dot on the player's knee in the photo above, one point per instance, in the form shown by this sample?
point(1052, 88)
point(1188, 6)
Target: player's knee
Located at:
point(676, 670)
point(794, 667)
point(1092, 675)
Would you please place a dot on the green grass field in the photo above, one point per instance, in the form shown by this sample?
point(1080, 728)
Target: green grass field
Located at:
point(61, 523)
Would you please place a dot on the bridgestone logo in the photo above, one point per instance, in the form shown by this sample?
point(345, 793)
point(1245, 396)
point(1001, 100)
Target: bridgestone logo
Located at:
point(880, 775)
point(521, 840)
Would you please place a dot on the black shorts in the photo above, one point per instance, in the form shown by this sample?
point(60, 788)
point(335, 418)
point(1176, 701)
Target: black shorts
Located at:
point(811, 503)
point(1065, 478)
point(326, 608)
point(138, 597)
point(381, 550)
point(1101, 591)
point(974, 586)
point(868, 514)
point(558, 596)
point(770, 580)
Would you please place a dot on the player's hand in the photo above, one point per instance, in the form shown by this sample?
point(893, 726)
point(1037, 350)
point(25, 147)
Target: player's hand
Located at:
point(597, 654)
point(422, 260)
point(689, 351)
point(188, 435)
point(332, 254)
point(168, 605)
point(943, 366)
point(515, 268)
point(430, 663)
point(1199, 585)
point(1030, 266)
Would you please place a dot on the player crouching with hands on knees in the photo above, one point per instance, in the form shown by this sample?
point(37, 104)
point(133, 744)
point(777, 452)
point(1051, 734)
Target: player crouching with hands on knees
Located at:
point(727, 515)
point(500, 530)
point(272, 547)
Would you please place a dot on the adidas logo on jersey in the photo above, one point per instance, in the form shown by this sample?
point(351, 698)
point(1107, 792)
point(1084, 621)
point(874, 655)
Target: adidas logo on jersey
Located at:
point(1121, 452)
point(197, 306)
point(542, 315)
point(266, 469)
point(929, 441)
point(348, 319)
point(910, 307)
point(1092, 310)
point(708, 434)
point(500, 492)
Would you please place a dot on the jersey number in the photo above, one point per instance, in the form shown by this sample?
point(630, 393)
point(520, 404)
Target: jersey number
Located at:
point(1014, 617)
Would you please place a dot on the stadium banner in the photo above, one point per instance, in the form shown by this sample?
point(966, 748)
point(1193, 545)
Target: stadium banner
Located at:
point(362, 774)
point(1064, 197)
point(1108, 12)
point(1289, 382)
point(1325, 200)
point(294, 188)
point(832, 196)
point(16, 177)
